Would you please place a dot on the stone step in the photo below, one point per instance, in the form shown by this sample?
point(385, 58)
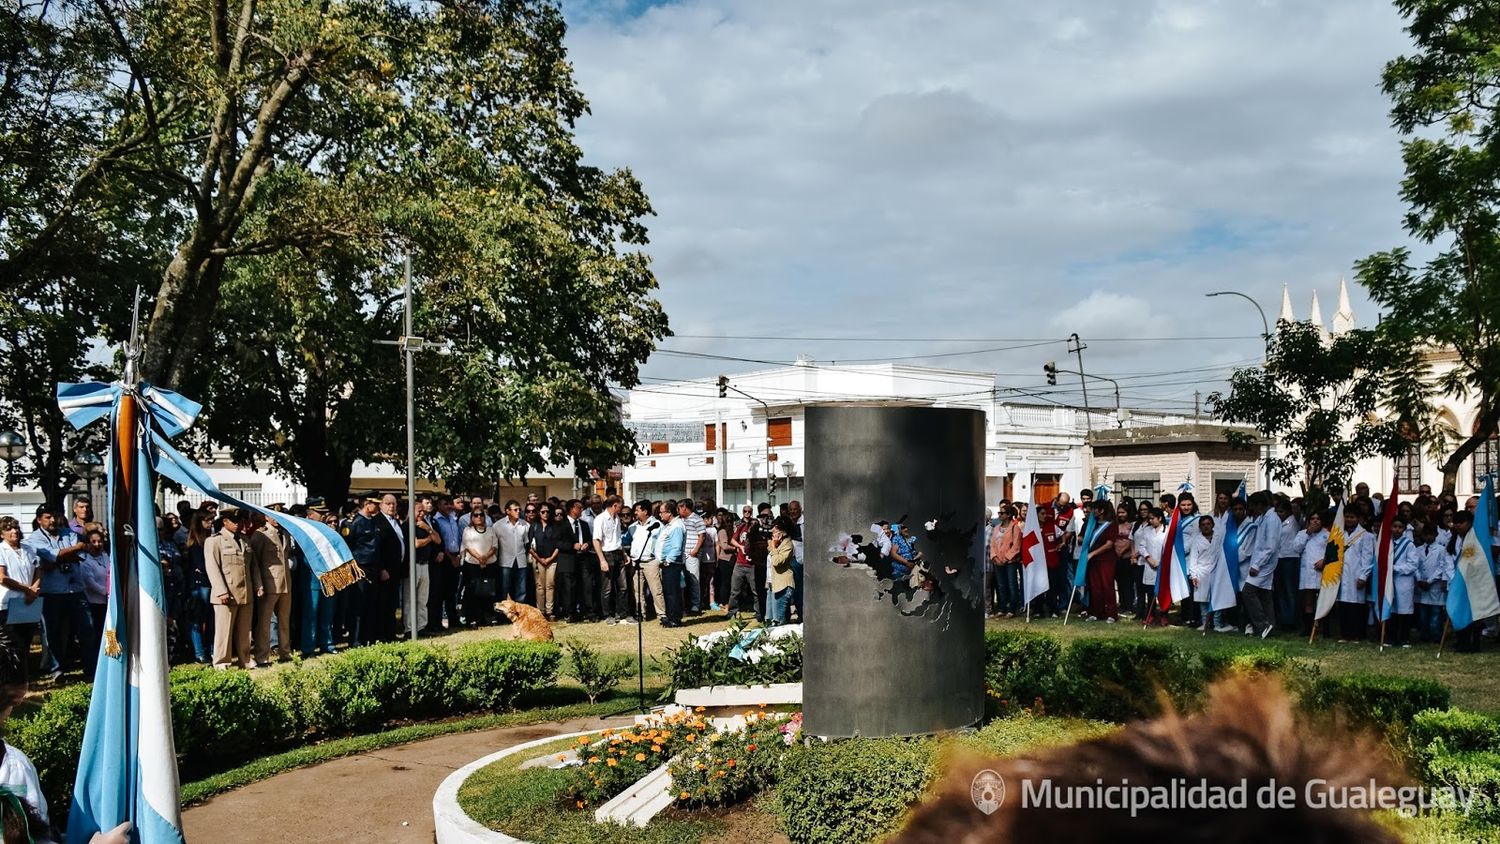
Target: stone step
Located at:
point(637, 805)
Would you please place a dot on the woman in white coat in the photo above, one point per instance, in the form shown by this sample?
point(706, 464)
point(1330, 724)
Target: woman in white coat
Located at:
point(1311, 546)
point(1354, 580)
point(1209, 574)
point(1150, 539)
point(1405, 560)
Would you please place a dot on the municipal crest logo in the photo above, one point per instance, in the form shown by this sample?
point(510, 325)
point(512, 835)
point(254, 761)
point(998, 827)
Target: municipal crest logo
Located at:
point(987, 791)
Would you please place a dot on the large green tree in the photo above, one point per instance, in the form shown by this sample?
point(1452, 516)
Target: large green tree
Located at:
point(1445, 97)
point(305, 147)
point(73, 239)
point(1327, 404)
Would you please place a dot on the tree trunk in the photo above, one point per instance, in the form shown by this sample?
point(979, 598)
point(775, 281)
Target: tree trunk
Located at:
point(1484, 429)
point(184, 312)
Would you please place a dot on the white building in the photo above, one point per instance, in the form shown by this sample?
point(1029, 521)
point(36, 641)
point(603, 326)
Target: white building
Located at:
point(695, 444)
point(1415, 468)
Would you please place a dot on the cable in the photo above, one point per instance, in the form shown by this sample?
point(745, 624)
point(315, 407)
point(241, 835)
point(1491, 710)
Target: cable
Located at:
point(962, 339)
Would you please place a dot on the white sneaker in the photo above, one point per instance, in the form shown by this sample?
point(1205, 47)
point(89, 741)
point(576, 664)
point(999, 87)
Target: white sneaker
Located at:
point(1249, 629)
point(1266, 632)
point(1223, 628)
point(1109, 621)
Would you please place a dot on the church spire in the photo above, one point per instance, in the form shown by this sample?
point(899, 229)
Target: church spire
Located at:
point(1343, 318)
point(1286, 305)
point(1316, 317)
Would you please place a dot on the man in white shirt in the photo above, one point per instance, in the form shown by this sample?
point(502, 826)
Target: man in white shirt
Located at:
point(692, 529)
point(615, 570)
point(1261, 572)
point(511, 534)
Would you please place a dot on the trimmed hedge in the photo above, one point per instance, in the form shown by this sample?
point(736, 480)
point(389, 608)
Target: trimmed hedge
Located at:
point(851, 790)
point(1437, 732)
point(1123, 679)
point(1375, 700)
point(223, 718)
point(1020, 667)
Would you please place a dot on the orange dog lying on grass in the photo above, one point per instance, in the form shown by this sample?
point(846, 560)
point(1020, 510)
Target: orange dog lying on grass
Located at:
point(528, 621)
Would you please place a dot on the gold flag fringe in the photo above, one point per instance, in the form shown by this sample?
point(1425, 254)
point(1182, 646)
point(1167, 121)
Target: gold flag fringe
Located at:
point(344, 575)
point(111, 643)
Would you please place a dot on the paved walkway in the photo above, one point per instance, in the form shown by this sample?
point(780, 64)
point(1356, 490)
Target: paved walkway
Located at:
point(380, 796)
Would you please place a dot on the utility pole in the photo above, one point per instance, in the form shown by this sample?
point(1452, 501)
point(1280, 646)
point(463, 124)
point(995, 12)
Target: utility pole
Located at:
point(1077, 346)
point(1196, 396)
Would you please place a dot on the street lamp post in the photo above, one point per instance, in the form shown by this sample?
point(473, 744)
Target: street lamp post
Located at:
point(12, 448)
point(786, 472)
point(1265, 327)
point(410, 345)
point(1265, 336)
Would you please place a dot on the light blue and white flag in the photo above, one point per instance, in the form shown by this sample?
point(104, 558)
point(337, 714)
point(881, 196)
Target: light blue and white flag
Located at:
point(1471, 593)
point(1185, 486)
point(127, 769)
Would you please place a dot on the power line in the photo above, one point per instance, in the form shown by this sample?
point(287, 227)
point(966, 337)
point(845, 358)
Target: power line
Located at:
point(1038, 340)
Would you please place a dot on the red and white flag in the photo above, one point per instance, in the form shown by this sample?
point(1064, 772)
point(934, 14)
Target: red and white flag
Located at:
point(1033, 557)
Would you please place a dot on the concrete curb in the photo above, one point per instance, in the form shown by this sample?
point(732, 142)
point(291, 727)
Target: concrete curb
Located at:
point(451, 825)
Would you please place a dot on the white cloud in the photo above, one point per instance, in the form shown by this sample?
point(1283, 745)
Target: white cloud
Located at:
point(995, 170)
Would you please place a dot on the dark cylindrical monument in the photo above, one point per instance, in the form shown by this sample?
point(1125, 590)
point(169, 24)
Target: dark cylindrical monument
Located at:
point(892, 649)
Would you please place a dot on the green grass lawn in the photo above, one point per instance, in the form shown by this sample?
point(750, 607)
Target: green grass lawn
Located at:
point(1473, 677)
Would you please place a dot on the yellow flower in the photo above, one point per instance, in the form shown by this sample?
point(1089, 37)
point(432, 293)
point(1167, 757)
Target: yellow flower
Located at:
point(655, 748)
point(699, 709)
point(684, 795)
point(762, 706)
point(691, 738)
point(593, 760)
point(640, 757)
point(610, 762)
point(583, 739)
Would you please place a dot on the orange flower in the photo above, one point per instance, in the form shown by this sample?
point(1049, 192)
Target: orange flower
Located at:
point(593, 760)
point(583, 739)
point(580, 804)
point(730, 763)
point(640, 757)
point(684, 795)
point(699, 709)
point(655, 748)
point(610, 762)
point(691, 738)
point(762, 705)
point(750, 747)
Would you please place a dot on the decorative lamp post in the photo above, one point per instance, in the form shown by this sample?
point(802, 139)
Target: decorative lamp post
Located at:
point(12, 448)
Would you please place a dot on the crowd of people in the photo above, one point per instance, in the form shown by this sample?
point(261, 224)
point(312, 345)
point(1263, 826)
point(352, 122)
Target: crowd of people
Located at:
point(1280, 547)
point(240, 594)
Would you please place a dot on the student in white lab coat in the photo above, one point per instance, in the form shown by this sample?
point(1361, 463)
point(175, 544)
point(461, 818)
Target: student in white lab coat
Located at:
point(1311, 546)
point(1359, 561)
point(1260, 568)
point(1150, 539)
point(1209, 574)
point(1434, 570)
point(1404, 564)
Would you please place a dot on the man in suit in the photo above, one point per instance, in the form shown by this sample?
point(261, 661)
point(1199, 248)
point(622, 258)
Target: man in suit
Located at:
point(394, 567)
point(234, 580)
point(577, 583)
point(272, 549)
point(363, 535)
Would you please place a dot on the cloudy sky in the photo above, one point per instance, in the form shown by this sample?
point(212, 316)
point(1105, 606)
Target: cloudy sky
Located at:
point(939, 176)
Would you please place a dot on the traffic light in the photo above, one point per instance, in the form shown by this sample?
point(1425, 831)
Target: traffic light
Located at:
point(1051, 369)
point(723, 386)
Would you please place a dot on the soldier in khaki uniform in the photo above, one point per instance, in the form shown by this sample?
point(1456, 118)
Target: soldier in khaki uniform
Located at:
point(234, 581)
point(272, 547)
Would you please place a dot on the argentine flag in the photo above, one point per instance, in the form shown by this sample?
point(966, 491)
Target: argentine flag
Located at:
point(1471, 593)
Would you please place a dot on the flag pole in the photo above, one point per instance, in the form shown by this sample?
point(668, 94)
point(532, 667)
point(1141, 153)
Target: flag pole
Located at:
point(1069, 610)
point(1383, 623)
point(1447, 625)
point(1314, 634)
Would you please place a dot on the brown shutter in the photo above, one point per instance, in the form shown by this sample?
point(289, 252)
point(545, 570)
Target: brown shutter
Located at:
point(779, 430)
point(658, 448)
point(710, 442)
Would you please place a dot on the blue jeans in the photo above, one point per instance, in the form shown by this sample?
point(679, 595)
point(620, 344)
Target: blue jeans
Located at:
point(671, 587)
point(1429, 622)
point(780, 601)
point(200, 617)
point(513, 584)
point(1008, 594)
point(797, 589)
point(317, 618)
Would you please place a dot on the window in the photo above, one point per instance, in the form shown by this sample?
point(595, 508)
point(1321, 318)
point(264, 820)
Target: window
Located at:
point(658, 448)
point(710, 441)
point(1409, 470)
point(1486, 461)
point(779, 431)
point(1141, 489)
